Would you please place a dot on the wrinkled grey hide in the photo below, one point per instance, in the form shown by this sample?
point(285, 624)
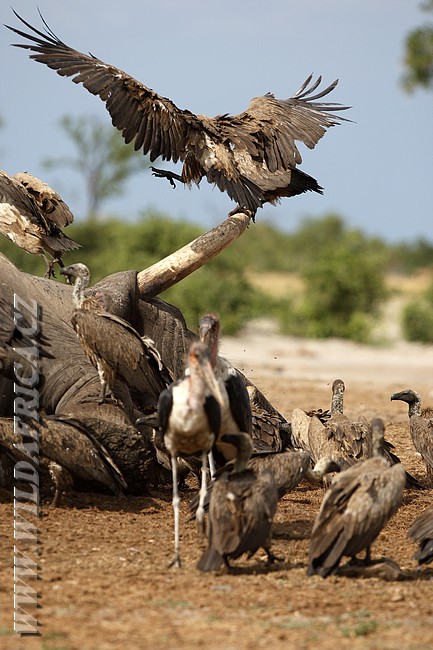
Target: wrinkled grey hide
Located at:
point(69, 384)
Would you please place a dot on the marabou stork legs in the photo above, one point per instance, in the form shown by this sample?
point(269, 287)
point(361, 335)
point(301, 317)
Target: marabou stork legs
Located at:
point(175, 502)
point(199, 515)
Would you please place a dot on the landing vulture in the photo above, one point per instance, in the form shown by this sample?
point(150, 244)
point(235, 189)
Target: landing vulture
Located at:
point(252, 156)
point(32, 215)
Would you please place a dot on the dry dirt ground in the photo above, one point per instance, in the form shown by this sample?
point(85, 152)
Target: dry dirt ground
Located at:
point(104, 581)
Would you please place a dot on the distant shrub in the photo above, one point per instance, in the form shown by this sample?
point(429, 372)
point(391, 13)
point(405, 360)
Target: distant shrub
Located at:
point(417, 321)
point(345, 284)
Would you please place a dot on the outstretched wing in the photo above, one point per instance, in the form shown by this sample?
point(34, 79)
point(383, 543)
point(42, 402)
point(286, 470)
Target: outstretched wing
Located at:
point(277, 124)
point(153, 122)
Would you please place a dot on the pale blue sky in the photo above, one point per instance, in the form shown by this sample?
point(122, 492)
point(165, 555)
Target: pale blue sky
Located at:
point(213, 58)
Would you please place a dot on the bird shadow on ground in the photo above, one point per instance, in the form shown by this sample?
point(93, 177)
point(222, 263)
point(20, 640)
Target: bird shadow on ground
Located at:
point(384, 568)
point(261, 568)
point(84, 501)
point(295, 529)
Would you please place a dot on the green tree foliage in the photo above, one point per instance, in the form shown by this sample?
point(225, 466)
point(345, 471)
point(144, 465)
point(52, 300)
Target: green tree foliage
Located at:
point(345, 285)
point(418, 56)
point(343, 270)
point(103, 159)
point(418, 318)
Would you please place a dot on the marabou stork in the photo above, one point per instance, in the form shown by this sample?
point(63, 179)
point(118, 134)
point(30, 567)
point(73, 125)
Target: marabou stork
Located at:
point(32, 215)
point(355, 508)
point(253, 156)
point(189, 415)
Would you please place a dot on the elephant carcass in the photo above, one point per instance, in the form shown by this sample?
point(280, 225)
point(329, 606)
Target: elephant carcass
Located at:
point(68, 384)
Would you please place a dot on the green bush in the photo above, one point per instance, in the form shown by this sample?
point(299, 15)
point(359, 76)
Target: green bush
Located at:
point(417, 321)
point(345, 284)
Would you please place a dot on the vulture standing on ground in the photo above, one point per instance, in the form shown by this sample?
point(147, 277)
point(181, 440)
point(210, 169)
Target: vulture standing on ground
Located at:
point(32, 214)
point(355, 508)
point(252, 156)
point(421, 427)
point(114, 347)
point(332, 435)
point(241, 509)
point(288, 467)
point(64, 448)
point(421, 532)
point(189, 414)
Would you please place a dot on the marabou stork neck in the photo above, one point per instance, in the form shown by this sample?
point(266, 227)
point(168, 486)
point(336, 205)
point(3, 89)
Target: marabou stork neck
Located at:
point(236, 407)
point(189, 415)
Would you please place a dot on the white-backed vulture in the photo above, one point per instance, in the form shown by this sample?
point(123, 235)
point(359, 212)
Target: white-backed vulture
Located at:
point(32, 215)
point(64, 448)
point(114, 347)
point(268, 424)
point(241, 509)
point(355, 508)
point(252, 156)
point(288, 467)
point(421, 532)
point(421, 427)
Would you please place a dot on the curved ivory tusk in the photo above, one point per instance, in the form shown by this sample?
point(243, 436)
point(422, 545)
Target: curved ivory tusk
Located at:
point(178, 265)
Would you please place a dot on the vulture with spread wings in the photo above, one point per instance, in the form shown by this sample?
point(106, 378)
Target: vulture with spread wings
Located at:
point(252, 156)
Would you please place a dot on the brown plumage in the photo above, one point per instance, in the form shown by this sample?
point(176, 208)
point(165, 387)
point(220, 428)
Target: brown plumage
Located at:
point(64, 449)
point(334, 435)
point(288, 467)
point(355, 508)
point(344, 440)
point(421, 532)
point(241, 509)
point(421, 427)
point(268, 425)
point(32, 215)
point(252, 156)
point(114, 347)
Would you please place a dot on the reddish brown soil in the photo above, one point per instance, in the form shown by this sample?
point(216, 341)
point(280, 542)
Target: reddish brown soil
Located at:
point(105, 582)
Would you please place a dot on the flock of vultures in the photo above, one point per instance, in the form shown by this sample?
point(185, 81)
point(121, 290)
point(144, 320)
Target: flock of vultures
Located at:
point(128, 397)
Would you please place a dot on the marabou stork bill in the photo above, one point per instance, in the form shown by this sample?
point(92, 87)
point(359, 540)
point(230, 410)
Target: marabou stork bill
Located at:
point(189, 415)
point(32, 215)
point(252, 156)
point(236, 406)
